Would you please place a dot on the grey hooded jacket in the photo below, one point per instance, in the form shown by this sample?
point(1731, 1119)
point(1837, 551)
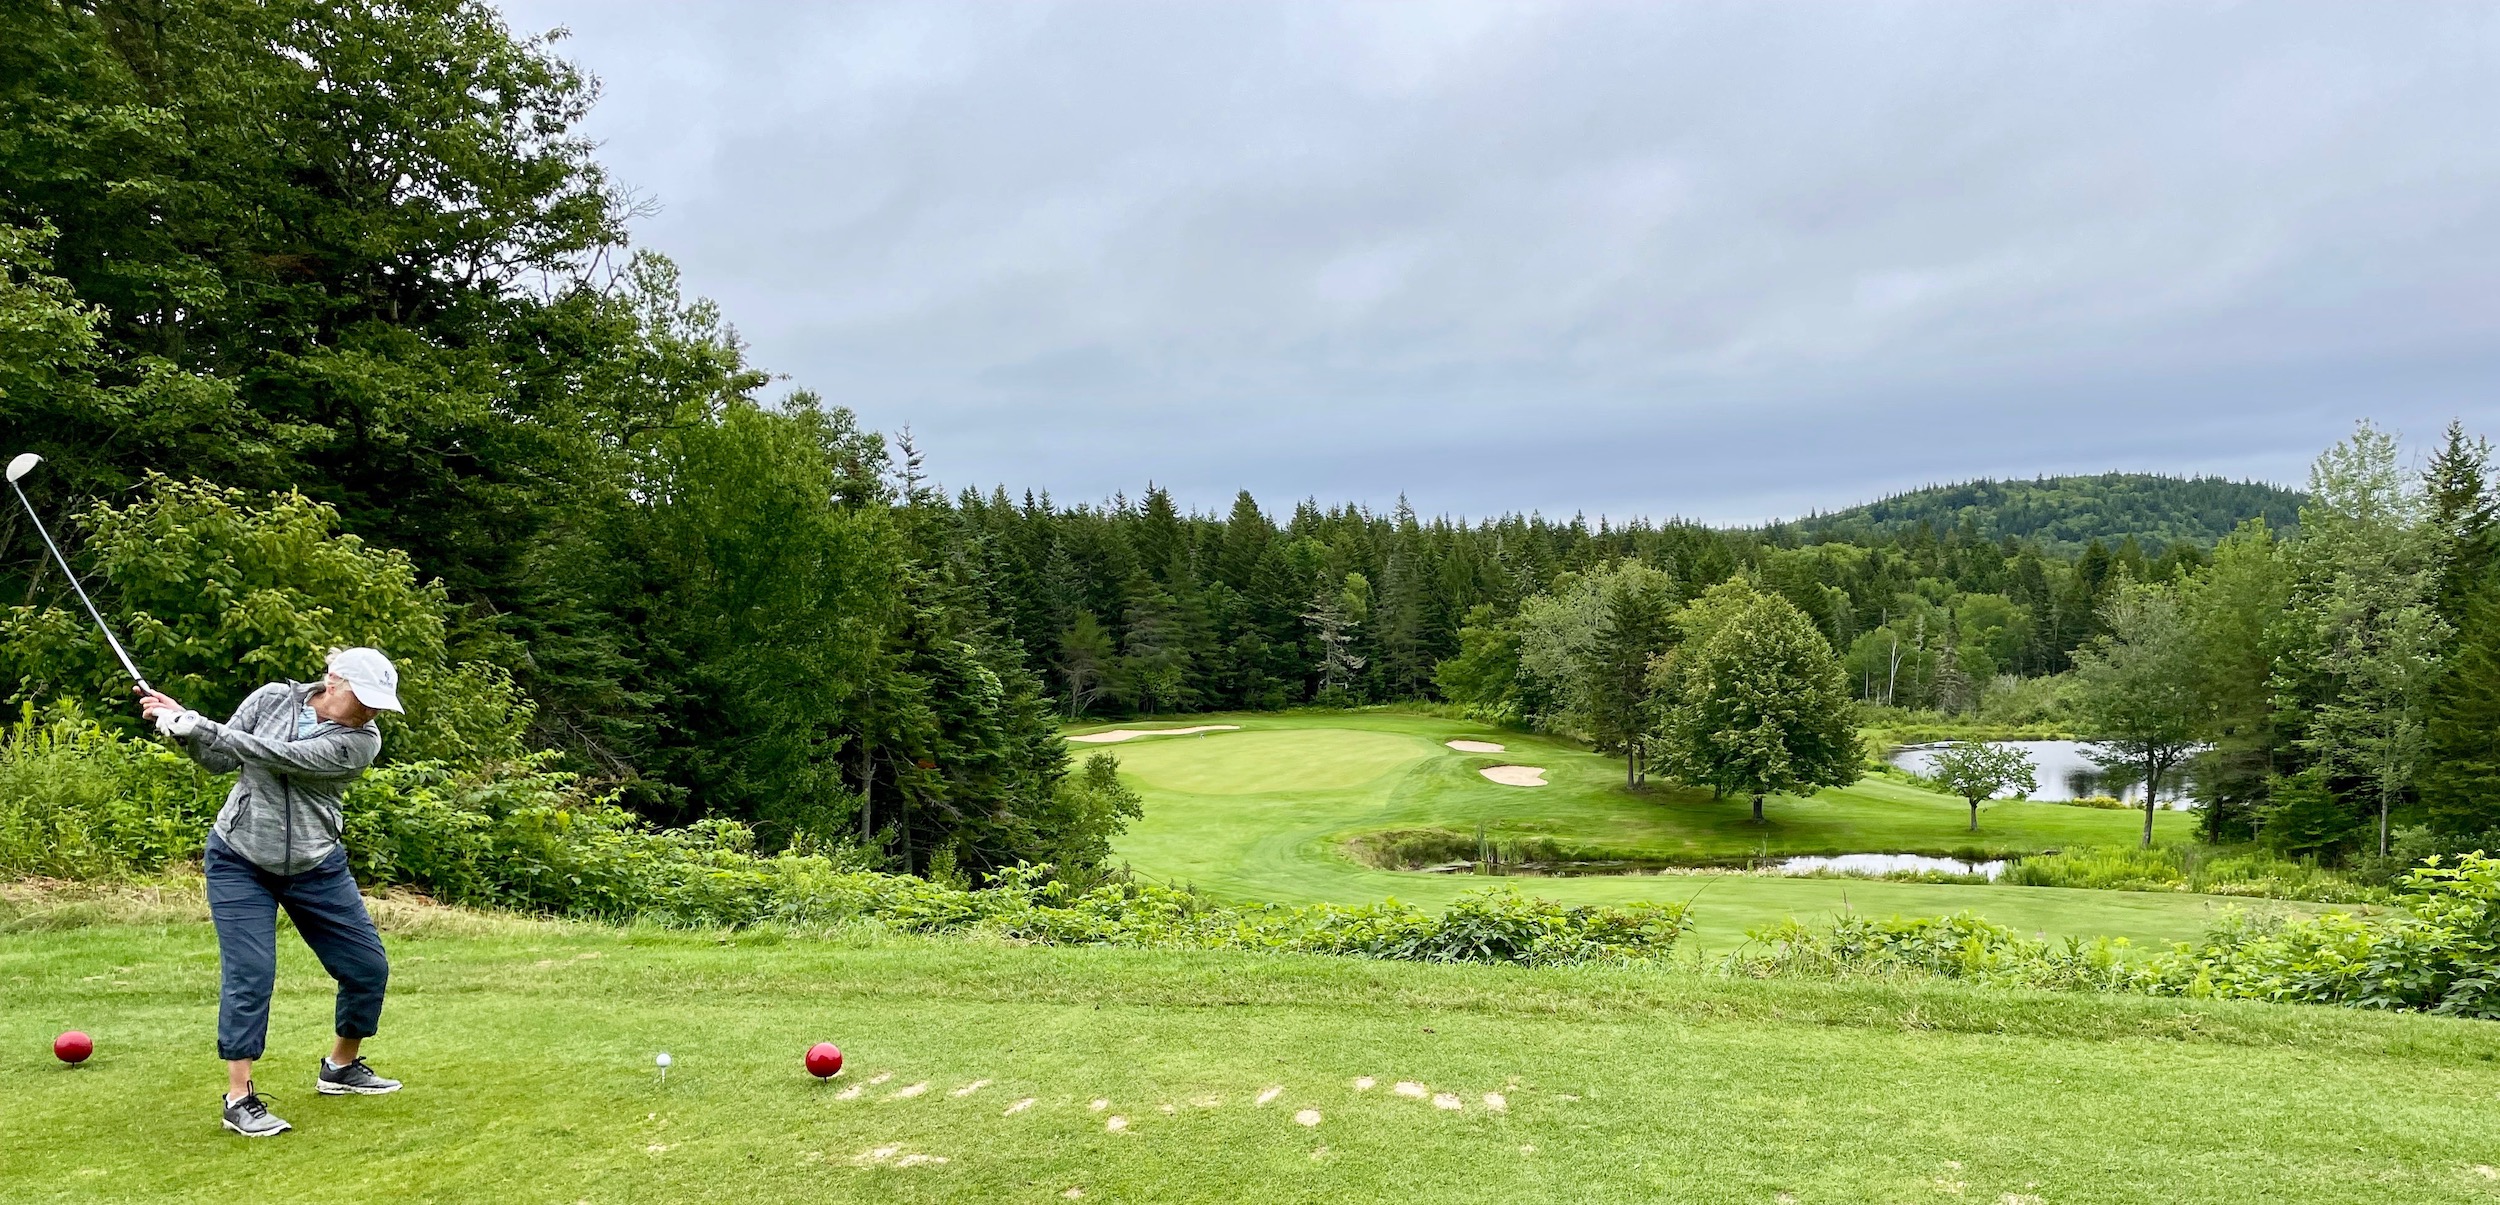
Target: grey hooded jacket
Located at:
point(283, 813)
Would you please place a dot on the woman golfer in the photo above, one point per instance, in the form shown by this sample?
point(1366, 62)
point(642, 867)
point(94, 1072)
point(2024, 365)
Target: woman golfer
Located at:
point(276, 844)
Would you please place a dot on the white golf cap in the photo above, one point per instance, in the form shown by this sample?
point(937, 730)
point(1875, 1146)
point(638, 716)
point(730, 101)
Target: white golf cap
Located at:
point(369, 676)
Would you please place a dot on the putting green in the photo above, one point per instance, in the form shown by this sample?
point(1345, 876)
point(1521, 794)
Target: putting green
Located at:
point(1266, 813)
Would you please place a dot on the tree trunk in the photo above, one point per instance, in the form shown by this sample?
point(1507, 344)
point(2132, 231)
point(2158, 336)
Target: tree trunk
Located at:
point(2382, 824)
point(2152, 778)
point(1974, 815)
point(1631, 760)
point(1757, 808)
point(867, 788)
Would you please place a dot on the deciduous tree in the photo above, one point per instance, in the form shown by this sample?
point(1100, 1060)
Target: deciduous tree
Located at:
point(1759, 706)
point(2137, 700)
point(1980, 770)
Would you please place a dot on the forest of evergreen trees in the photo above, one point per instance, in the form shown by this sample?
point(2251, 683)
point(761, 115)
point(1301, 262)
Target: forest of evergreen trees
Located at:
point(1137, 606)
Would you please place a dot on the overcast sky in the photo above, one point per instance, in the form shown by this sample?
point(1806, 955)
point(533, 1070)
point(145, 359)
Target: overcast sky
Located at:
point(1721, 261)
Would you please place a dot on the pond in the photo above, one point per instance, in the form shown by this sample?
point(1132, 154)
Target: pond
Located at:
point(2065, 773)
point(1876, 866)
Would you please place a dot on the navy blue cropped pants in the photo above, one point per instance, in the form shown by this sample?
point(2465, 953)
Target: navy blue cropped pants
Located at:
point(244, 900)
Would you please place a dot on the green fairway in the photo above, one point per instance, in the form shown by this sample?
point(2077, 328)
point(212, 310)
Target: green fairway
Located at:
point(1266, 812)
point(528, 1054)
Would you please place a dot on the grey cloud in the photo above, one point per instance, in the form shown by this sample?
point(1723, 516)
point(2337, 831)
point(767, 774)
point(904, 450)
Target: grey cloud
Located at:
point(1724, 261)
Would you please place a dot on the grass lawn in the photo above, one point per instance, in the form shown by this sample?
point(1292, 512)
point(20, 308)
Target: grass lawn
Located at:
point(1265, 813)
point(527, 1048)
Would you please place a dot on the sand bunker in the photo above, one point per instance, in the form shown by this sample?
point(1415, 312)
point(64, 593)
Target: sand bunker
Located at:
point(1515, 776)
point(1476, 746)
point(1129, 734)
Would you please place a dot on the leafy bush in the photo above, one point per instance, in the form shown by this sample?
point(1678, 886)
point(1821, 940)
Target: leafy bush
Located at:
point(1961, 946)
point(2442, 955)
point(78, 801)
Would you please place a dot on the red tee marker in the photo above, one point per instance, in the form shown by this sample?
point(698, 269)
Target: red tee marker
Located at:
point(73, 1047)
point(824, 1060)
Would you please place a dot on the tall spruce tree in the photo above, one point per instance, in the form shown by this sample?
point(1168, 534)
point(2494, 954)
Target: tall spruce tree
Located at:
point(2460, 775)
point(1636, 609)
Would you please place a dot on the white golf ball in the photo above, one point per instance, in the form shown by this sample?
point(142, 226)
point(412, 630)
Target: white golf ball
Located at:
point(664, 1058)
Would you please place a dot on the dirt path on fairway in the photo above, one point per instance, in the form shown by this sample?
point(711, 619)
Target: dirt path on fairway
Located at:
point(1515, 776)
point(1130, 734)
point(1476, 746)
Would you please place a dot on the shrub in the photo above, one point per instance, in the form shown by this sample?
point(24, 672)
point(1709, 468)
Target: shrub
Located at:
point(78, 801)
point(2244, 872)
point(2104, 803)
point(2442, 954)
point(1961, 946)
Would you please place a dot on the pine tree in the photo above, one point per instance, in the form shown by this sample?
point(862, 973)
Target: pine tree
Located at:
point(1333, 625)
point(2460, 776)
point(1636, 625)
point(2458, 491)
point(1085, 663)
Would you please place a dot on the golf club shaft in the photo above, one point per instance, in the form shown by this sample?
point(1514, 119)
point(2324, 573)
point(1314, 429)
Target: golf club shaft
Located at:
point(72, 575)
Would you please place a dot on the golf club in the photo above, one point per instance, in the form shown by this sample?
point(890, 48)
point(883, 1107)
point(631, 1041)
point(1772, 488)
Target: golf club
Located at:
point(23, 464)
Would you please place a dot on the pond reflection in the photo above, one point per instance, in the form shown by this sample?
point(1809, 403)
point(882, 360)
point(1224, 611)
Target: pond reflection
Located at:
point(1879, 865)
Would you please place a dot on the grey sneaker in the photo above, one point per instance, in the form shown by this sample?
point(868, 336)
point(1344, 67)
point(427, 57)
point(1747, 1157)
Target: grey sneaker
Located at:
point(353, 1079)
point(251, 1117)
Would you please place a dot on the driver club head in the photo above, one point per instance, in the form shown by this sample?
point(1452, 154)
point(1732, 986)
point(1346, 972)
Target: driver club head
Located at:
point(22, 464)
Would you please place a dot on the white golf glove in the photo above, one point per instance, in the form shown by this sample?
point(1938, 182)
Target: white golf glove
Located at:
point(178, 723)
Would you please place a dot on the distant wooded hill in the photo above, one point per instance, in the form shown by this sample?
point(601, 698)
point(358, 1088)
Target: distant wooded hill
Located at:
point(2066, 513)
